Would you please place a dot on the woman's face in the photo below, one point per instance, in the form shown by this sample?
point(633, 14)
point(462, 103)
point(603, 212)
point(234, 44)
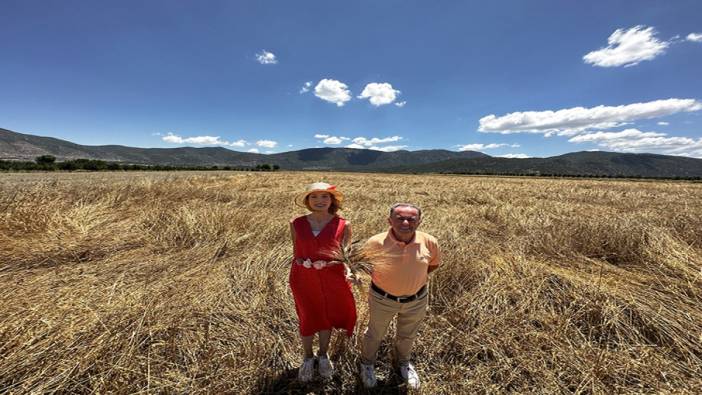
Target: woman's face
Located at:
point(319, 201)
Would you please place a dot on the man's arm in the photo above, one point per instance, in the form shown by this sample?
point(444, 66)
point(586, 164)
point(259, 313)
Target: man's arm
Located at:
point(436, 256)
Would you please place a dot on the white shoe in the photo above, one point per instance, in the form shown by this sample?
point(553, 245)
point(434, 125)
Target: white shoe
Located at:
point(368, 375)
point(409, 375)
point(306, 370)
point(326, 370)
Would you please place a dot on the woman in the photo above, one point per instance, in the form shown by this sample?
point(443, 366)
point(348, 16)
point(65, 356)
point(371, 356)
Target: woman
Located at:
point(323, 298)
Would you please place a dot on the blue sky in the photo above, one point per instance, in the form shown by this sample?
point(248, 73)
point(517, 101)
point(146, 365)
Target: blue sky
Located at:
point(508, 78)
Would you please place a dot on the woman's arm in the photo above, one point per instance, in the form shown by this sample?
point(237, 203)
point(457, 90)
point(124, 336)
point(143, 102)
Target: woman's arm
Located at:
point(346, 240)
point(292, 235)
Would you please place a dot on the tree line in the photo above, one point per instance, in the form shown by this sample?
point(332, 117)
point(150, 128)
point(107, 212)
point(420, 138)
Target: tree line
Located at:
point(49, 163)
point(566, 175)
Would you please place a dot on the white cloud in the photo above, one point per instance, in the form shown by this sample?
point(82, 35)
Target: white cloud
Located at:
point(363, 142)
point(265, 57)
point(634, 140)
point(401, 104)
point(373, 141)
point(514, 156)
point(171, 138)
point(306, 87)
point(332, 91)
point(266, 143)
point(479, 146)
point(694, 37)
point(379, 93)
point(388, 148)
point(612, 136)
point(331, 140)
point(663, 123)
point(253, 150)
point(201, 140)
point(571, 121)
point(628, 48)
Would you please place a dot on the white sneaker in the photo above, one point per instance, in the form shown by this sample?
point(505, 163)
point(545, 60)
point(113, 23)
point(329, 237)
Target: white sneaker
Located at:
point(326, 370)
point(368, 375)
point(306, 370)
point(409, 375)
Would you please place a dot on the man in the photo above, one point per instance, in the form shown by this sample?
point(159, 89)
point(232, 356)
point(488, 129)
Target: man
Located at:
point(398, 289)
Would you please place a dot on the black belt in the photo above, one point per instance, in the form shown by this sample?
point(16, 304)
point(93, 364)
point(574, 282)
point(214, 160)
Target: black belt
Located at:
point(400, 299)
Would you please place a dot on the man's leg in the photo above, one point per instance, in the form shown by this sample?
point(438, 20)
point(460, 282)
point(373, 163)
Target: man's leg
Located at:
point(381, 312)
point(408, 321)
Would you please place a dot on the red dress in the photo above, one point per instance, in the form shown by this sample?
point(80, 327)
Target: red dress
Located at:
point(323, 298)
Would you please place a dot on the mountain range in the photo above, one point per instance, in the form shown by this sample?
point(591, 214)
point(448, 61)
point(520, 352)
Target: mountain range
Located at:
point(19, 146)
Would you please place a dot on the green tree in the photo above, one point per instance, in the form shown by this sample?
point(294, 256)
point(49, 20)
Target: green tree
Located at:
point(67, 165)
point(45, 160)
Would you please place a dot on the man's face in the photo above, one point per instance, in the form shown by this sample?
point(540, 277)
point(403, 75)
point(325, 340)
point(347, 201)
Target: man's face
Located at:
point(404, 221)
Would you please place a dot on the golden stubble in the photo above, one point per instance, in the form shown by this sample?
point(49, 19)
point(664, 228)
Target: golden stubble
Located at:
point(177, 282)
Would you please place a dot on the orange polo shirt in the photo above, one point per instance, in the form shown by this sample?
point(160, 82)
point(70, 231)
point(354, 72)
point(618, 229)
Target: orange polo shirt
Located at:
point(402, 269)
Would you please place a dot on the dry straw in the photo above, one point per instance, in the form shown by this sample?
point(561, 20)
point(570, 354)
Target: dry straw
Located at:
point(360, 260)
point(177, 282)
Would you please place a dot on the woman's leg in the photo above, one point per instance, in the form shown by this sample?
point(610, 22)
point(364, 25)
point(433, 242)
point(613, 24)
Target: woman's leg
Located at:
point(306, 371)
point(324, 338)
point(326, 369)
point(307, 345)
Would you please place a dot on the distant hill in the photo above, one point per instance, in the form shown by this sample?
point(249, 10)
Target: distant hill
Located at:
point(362, 159)
point(18, 146)
point(585, 163)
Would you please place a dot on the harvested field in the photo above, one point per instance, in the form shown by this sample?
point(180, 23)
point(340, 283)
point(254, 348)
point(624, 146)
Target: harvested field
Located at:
point(177, 282)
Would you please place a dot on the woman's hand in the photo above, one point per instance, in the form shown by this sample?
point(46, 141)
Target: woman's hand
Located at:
point(351, 276)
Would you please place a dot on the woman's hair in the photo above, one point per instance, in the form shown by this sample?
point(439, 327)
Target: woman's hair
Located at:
point(333, 207)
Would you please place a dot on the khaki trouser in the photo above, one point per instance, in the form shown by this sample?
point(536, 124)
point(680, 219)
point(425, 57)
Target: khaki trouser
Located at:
point(382, 310)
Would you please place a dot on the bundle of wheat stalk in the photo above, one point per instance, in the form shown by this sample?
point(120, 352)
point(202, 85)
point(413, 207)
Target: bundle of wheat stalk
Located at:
point(177, 282)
